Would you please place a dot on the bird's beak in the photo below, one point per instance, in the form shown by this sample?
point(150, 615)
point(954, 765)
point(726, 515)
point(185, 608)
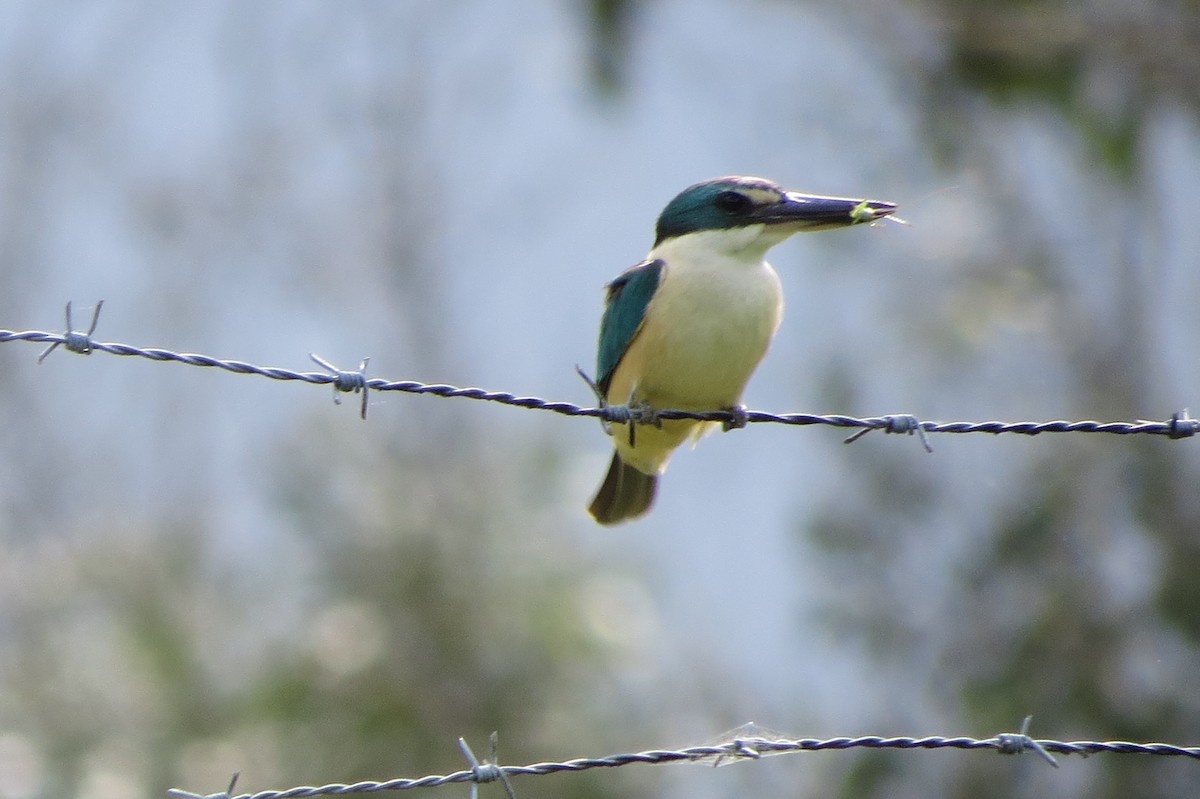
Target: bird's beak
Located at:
point(813, 212)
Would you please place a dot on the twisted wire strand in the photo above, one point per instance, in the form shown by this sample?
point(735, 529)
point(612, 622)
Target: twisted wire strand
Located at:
point(737, 749)
point(1180, 425)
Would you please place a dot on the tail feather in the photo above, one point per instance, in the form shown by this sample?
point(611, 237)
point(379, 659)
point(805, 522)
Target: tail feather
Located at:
point(625, 493)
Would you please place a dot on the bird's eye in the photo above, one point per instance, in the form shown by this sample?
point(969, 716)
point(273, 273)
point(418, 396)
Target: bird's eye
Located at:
point(732, 202)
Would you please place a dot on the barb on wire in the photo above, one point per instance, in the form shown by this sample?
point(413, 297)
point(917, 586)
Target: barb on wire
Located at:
point(487, 771)
point(73, 339)
point(898, 423)
point(748, 742)
point(355, 381)
point(225, 794)
point(1016, 743)
point(1179, 425)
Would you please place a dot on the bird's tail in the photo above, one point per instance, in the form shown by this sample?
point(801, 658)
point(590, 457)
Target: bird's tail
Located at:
point(625, 493)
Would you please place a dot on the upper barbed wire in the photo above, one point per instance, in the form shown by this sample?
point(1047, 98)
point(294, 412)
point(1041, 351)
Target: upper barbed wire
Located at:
point(1179, 425)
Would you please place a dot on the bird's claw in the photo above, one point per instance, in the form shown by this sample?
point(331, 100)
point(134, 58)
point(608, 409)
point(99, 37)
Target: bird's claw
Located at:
point(739, 417)
point(641, 412)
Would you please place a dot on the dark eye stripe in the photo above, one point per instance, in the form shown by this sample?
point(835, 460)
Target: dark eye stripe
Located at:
point(733, 202)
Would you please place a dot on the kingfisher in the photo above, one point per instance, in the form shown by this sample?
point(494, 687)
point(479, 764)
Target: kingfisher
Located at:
point(685, 328)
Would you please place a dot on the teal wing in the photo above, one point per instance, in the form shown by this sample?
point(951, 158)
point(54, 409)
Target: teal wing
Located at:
point(628, 297)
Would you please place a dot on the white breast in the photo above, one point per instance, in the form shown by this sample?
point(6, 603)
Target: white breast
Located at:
point(710, 322)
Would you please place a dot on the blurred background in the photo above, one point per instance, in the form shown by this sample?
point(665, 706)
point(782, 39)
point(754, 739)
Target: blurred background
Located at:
point(204, 573)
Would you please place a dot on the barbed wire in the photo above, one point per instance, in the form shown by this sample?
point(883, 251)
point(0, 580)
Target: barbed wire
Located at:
point(748, 742)
point(1179, 425)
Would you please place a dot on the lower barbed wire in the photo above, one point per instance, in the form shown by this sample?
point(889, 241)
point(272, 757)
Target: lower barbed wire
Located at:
point(738, 748)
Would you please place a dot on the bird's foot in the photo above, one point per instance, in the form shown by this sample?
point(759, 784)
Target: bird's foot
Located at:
point(639, 412)
point(739, 417)
point(642, 412)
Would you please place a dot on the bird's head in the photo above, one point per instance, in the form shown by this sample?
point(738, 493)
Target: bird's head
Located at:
point(760, 209)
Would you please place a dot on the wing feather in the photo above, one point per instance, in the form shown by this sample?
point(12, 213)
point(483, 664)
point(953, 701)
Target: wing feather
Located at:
point(625, 309)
